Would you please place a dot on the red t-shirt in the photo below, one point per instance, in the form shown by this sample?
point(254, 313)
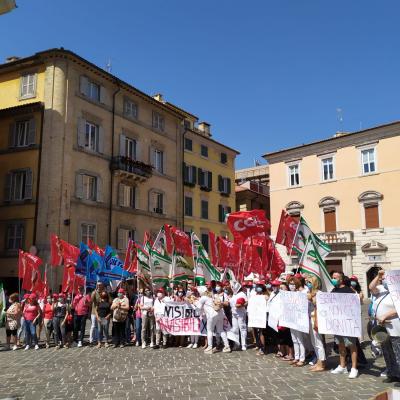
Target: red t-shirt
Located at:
point(31, 312)
point(48, 311)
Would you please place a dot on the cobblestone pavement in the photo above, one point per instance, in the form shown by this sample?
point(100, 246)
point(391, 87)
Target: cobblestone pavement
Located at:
point(173, 373)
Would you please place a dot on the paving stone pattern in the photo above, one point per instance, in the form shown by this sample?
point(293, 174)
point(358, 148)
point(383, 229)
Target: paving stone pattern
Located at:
point(173, 373)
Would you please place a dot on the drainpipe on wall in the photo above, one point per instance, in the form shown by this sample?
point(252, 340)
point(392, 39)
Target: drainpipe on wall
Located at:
point(111, 171)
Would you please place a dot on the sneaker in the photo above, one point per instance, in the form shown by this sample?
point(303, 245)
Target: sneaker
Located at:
point(384, 373)
point(227, 349)
point(164, 346)
point(208, 350)
point(15, 347)
point(98, 345)
point(26, 347)
point(143, 345)
point(195, 346)
point(137, 344)
point(79, 344)
point(339, 370)
point(151, 345)
point(244, 348)
point(36, 347)
point(47, 345)
point(106, 345)
point(189, 346)
point(353, 373)
point(121, 345)
point(58, 347)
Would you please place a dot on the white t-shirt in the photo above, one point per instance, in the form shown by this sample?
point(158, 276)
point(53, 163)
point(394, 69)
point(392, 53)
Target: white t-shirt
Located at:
point(240, 312)
point(159, 307)
point(207, 305)
point(383, 304)
point(147, 302)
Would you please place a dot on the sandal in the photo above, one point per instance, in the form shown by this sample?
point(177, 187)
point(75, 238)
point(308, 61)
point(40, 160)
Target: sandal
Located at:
point(299, 364)
point(287, 358)
point(279, 355)
point(293, 362)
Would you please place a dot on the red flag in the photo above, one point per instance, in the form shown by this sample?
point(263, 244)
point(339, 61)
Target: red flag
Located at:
point(46, 289)
point(286, 230)
point(63, 251)
point(243, 224)
point(130, 263)
point(169, 245)
point(147, 239)
point(71, 282)
point(229, 254)
point(251, 260)
point(182, 242)
point(28, 270)
point(56, 251)
point(213, 248)
point(275, 264)
point(96, 248)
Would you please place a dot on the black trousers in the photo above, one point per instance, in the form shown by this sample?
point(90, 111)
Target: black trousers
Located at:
point(79, 326)
point(119, 333)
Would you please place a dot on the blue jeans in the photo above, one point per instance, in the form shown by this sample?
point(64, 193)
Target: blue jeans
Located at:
point(104, 329)
point(30, 333)
point(138, 328)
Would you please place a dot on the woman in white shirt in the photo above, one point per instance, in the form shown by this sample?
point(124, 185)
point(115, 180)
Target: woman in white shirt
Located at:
point(385, 313)
point(214, 313)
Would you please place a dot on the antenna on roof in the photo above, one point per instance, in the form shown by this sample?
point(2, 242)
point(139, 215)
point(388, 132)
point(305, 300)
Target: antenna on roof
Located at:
point(339, 114)
point(109, 66)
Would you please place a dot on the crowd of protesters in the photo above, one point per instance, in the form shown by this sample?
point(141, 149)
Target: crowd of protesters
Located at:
point(132, 317)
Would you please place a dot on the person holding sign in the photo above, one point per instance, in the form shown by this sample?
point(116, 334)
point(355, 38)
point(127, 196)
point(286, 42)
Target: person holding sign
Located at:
point(344, 341)
point(314, 286)
point(385, 313)
point(299, 338)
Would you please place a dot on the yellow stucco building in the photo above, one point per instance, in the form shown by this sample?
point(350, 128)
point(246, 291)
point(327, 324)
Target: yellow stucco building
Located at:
point(209, 181)
point(347, 189)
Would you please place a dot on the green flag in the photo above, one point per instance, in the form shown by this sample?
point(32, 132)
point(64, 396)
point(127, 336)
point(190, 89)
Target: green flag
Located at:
point(312, 263)
point(204, 270)
point(302, 235)
point(180, 270)
point(160, 266)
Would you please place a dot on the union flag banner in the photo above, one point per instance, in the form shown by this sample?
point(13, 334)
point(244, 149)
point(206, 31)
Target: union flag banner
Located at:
point(286, 231)
point(229, 254)
point(213, 249)
point(62, 252)
point(28, 270)
point(178, 240)
point(243, 224)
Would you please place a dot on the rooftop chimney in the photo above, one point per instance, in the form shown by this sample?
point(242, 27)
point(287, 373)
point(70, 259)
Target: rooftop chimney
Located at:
point(12, 58)
point(204, 127)
point(159, 97)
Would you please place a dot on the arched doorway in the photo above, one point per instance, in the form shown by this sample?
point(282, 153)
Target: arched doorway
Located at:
point(371, 274)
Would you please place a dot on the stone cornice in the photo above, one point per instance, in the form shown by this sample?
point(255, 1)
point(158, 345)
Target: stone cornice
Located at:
point(360, 138)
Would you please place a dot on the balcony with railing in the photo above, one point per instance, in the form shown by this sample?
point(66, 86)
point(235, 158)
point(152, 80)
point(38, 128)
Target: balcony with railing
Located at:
point(130, 169)
point(337, 237)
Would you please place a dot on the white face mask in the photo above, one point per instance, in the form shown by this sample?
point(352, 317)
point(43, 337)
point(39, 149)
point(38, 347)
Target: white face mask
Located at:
point(218, 288)
point(292, 288)
point(159, 295)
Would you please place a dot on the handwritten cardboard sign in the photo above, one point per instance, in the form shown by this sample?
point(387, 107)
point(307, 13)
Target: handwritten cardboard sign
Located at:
point(294, 312)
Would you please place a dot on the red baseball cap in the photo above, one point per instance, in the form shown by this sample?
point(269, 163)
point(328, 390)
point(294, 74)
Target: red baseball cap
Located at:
point(276, 282)
point(353, 278)
point(120, 290)
point(240, 301)
point(33, 296)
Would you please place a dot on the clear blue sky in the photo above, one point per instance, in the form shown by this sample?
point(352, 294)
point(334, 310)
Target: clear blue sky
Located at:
point(266, 74)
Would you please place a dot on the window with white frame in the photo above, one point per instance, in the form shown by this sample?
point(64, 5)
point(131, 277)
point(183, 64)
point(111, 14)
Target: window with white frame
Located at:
point(158, 202)
point(294, 175)
point(130, 109)
point(158, 121)
point(158, 160)
point(124, 235)
point(130, 148)
point(15, 236)
point(89, 187)
point(22, 132)
point(88, 232)
point(327, 169)
point(91, 136)
point(368, 161)
point(127, 196)
point(18, 185)
point(28, 86)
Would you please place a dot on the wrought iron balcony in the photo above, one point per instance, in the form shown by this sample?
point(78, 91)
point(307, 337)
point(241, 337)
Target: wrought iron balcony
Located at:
point(337, 237)
point(131, 169)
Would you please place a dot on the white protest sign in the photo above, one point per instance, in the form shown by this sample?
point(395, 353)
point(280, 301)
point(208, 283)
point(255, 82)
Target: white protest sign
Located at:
point(294, 311)
point(181, 319)
point(392, 279)
point(339, 314)
point(257, 312)
point(274, 312)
